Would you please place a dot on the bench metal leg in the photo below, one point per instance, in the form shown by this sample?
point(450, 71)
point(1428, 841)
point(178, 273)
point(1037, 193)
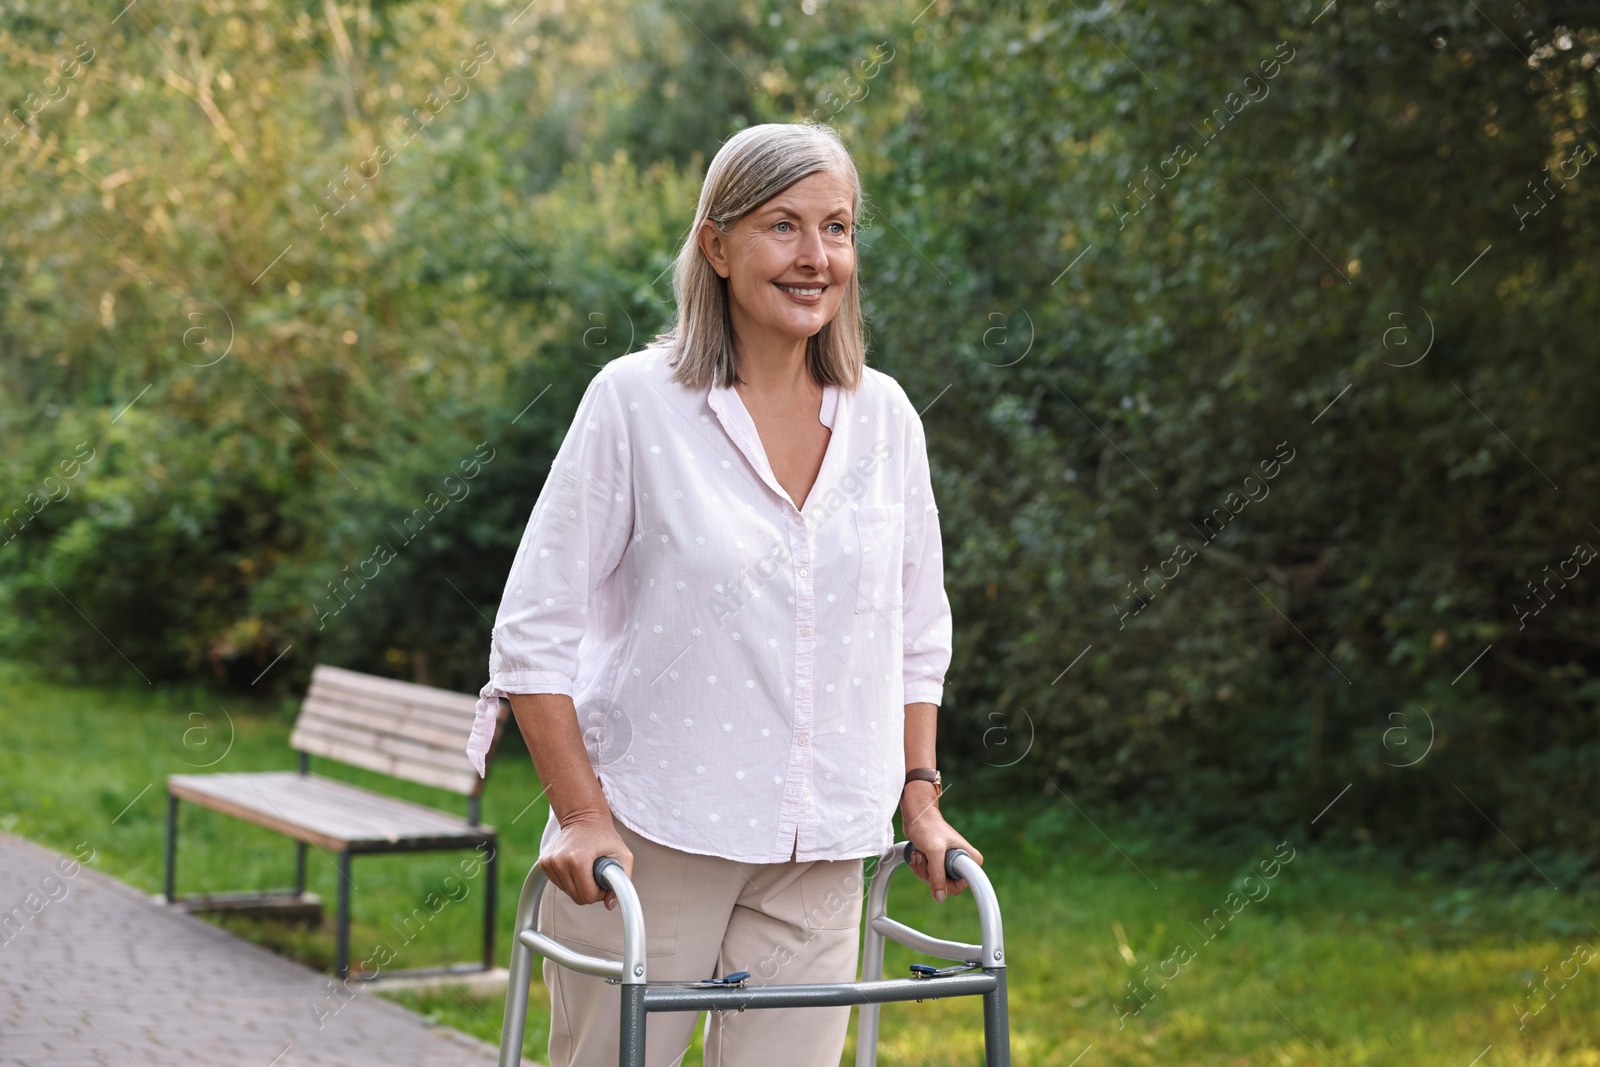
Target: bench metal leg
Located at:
point(299, 868)
point(172, 847)
point(489, 887)
point(341, 959)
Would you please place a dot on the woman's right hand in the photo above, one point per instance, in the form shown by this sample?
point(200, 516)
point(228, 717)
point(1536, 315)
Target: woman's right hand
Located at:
point(570, 862)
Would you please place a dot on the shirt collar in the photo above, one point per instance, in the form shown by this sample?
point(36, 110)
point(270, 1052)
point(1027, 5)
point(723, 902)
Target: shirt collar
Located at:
point(724, 400)
point(830, 405)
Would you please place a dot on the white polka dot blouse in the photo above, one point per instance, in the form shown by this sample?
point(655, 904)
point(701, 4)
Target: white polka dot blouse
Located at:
point(739, 664)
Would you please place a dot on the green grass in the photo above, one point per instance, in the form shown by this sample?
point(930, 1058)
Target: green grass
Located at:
point(1343, 961)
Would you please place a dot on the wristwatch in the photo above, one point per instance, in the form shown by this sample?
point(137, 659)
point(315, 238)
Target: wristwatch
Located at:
point(926, 774)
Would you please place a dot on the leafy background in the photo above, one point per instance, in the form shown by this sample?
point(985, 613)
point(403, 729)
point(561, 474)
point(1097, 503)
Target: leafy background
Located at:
point(1095, 380)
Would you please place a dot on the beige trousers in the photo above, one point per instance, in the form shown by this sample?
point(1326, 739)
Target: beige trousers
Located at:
point(706, 917)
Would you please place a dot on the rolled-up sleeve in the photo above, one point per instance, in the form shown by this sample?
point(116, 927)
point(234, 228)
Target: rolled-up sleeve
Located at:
point(927, 608)
point(575, 538)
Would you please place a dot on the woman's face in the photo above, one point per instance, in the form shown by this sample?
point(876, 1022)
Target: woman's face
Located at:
point(788, 261)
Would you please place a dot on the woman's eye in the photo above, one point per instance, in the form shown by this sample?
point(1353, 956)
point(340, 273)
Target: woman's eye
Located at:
point(781, 224)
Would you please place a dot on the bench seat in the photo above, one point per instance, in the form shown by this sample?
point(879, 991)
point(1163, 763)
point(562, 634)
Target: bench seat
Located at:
point(328, 813)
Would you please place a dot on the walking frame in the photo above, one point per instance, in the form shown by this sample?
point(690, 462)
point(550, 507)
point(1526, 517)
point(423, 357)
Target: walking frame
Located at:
point(980, 970)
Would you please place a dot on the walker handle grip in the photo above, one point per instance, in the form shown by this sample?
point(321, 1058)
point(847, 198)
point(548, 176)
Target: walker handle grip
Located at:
point(950, 857)
point(601, 865)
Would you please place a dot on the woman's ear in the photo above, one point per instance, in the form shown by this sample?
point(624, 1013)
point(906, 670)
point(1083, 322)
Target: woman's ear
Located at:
point(713, 244)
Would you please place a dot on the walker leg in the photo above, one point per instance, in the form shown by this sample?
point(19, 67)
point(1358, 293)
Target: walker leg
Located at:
point(872, 948)
point(514, 1025)
point(867, 1014)
point(867, 1035)
point(996, 1023)
point(632, 1035)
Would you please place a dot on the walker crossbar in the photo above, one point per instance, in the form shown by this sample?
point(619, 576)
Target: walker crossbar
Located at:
point(987, 979)
point(817, 994)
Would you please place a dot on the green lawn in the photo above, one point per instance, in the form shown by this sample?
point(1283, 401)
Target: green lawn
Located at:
point(1338, 962)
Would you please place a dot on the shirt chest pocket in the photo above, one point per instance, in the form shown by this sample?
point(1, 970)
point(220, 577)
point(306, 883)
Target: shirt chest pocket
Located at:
point(881, 538)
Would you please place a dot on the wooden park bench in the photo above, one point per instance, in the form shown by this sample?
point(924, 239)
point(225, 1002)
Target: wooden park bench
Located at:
point(413, 732)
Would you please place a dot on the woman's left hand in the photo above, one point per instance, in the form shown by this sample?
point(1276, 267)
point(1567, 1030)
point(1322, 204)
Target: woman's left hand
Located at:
point(927, 830)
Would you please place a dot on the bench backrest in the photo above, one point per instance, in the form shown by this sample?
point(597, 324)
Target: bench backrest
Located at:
point(401, 729)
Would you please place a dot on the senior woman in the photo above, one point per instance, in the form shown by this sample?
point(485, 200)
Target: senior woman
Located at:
point(725, 632)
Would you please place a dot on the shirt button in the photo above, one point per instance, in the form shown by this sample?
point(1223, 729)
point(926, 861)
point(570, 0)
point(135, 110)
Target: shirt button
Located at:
point(802, 740)
point(805, 633)
point(802, 572)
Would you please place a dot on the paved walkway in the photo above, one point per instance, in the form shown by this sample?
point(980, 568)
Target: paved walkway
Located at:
point(93, 972)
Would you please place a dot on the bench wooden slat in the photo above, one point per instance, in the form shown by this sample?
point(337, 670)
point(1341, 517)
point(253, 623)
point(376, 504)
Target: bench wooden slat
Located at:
point(427, 744)
point(307, 739)
point(424, 758)
point(425, 696)
point(382, 704)
point(395, 721)
point(305, 804)
point(324, 811)
point(414, 732)
point(300, 798)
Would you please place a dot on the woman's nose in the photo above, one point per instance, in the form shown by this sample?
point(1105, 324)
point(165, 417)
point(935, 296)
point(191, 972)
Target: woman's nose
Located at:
point(812, 252)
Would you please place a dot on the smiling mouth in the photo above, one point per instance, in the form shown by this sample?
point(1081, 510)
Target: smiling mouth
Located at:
point(811, 290)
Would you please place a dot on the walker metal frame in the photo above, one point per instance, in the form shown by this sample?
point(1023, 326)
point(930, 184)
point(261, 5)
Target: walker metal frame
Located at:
point(984, 973)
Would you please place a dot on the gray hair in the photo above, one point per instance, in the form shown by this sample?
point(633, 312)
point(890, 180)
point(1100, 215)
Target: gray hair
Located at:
point(752, 167)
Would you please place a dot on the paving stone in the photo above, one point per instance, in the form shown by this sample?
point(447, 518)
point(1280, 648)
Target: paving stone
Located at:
point(102, 976)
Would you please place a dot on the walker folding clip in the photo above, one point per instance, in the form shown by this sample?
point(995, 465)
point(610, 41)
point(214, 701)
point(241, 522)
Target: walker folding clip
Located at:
point(737, 978)
point(922, 970)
